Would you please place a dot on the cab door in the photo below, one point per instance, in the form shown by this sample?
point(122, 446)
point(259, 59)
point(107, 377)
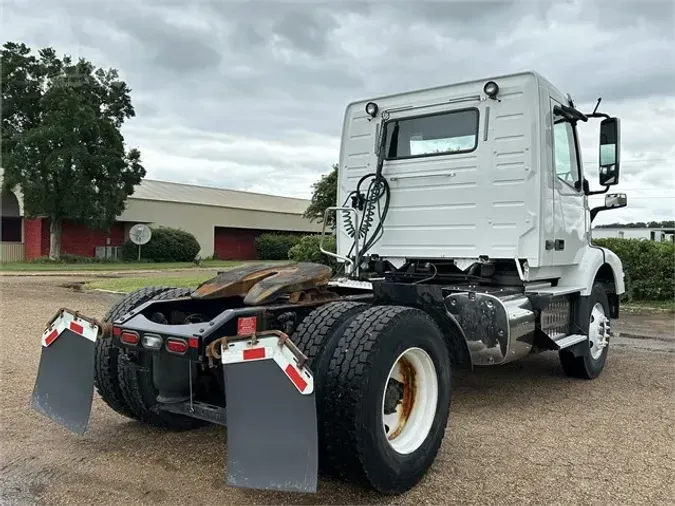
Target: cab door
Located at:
point(569, 201)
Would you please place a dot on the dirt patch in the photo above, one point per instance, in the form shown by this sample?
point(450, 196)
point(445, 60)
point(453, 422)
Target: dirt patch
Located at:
point(518, 434)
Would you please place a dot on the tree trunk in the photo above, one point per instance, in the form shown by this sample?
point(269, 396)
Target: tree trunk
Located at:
point(55, 239)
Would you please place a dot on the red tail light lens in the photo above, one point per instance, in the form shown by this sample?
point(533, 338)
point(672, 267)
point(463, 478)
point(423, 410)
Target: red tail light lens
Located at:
point(129, 337)
point(178, 346)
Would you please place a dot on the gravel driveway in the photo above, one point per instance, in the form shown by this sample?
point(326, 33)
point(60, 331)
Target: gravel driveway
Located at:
point(519, 434)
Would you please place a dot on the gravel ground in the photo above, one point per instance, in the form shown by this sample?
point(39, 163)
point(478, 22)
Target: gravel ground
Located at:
point(519, 434)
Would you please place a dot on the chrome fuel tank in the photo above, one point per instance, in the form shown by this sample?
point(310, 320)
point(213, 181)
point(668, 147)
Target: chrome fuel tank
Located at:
point(498, 329)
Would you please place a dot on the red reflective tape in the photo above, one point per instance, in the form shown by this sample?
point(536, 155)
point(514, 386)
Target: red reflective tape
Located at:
point(193, 342)
point(51, 337)
point(254, 353)
point(247, 325)
point(295, 377)
point(117, 331)
point(76, 327)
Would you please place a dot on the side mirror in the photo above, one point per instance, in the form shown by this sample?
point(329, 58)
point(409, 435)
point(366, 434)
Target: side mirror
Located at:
point(610, 148)
point(612, 201)
point(615, 200)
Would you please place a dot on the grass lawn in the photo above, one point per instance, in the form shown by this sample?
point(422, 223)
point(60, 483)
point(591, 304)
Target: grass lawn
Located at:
point(129, 284)
point(114, 266)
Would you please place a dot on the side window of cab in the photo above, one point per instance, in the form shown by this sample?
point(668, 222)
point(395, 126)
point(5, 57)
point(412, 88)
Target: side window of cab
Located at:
point(565, 152)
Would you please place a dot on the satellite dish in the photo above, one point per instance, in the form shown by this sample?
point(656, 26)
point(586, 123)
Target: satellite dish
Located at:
point(140, 234)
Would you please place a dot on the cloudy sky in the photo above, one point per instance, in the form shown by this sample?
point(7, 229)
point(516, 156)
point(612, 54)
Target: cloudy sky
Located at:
point(250, 95)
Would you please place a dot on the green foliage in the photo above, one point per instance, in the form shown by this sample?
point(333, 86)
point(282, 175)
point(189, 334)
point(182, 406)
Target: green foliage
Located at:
point(67, 258)
point(275, 246)
point(324, 195)
point(641, 224)
point(61, 139)
point(649, 267)
point(166, 245)
point(307, 250)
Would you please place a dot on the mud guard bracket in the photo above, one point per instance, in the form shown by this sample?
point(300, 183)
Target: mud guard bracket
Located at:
point(271, 417)
point(64, 387)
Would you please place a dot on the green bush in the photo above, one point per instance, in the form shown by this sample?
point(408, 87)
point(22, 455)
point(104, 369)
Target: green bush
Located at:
point(166, 245)
point(67, 258)
point(307, 250)
point(649, 267)
point(275, 246)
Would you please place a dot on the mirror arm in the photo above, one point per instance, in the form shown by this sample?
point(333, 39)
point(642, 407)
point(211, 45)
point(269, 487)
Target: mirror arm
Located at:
point(596, 210)
point(570, 113)
point(600, 192)
point(598, 115)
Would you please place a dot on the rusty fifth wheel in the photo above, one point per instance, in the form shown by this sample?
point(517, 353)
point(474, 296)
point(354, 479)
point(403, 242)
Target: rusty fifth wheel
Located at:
point(389, 393)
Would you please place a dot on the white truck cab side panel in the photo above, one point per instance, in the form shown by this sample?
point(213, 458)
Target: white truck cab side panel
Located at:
point(586, 267)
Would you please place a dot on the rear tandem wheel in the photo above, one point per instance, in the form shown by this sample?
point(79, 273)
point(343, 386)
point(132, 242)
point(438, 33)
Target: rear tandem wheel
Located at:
point(317, 336)
point(138, 389)
point(388, 393)
point(106, 356)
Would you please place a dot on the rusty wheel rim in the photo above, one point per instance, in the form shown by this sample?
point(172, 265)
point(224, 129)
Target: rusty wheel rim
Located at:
point(409, 400)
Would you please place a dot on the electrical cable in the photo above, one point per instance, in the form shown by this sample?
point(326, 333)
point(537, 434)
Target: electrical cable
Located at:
point(370, 205)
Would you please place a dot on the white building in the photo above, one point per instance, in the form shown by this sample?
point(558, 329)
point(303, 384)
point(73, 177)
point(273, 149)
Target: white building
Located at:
point(652, 234)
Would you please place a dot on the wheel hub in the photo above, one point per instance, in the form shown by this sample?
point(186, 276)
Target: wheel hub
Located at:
point(409, 400)
point(598, 331)
point(393, 396)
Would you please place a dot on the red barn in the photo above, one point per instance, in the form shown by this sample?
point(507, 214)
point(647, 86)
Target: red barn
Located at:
point(225, 222)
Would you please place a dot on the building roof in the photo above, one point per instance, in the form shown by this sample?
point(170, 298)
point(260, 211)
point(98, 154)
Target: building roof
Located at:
point(166, 191)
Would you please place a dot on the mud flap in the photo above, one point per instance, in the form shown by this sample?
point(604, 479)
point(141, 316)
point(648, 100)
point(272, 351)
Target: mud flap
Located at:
point(271, 417)
point(64, 386)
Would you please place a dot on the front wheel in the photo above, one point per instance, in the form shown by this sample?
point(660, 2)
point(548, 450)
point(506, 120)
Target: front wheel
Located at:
point(388, 392)
point(587, 359)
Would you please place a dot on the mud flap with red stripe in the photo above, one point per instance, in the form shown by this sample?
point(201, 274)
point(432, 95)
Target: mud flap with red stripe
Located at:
point(64, 386)
point(271, 418)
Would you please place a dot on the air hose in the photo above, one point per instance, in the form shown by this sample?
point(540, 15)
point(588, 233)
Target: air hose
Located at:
point(369, 203)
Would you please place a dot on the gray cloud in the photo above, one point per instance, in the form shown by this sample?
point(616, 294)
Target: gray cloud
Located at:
point(251, 94)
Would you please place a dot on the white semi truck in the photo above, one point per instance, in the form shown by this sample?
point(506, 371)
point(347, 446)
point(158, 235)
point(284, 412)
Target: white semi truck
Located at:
point(463, 240)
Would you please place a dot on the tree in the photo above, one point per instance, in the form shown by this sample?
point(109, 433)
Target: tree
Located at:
point(324, 195)
point(61, 139)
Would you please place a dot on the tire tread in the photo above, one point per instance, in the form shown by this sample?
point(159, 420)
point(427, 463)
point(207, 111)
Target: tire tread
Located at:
point(348, 372)
point(131, 378)
point(106, 356)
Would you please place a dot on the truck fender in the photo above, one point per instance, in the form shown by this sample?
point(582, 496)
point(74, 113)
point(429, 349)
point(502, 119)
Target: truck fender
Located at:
point(428, 298)
point(595, 263)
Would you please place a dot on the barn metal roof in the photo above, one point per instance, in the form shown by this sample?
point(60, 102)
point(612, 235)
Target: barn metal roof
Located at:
point(166, 191)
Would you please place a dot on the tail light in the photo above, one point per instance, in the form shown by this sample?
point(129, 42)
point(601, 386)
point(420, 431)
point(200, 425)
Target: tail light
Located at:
point(129, 337)
point(178, 346)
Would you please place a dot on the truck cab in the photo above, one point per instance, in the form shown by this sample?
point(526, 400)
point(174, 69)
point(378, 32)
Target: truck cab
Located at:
point(485, 170)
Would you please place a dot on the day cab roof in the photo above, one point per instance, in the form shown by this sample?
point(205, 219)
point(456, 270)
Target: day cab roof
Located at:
point(541, 81)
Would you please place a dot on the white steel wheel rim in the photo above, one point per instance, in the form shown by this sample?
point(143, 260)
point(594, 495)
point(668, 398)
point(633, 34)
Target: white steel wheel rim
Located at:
point(409, 400)
point(598, 331)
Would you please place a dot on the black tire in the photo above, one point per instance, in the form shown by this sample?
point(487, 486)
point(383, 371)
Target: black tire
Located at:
point(136, 384)
point(357, 446)
point(106, 355)
point(578, 361)
point(317, 336)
